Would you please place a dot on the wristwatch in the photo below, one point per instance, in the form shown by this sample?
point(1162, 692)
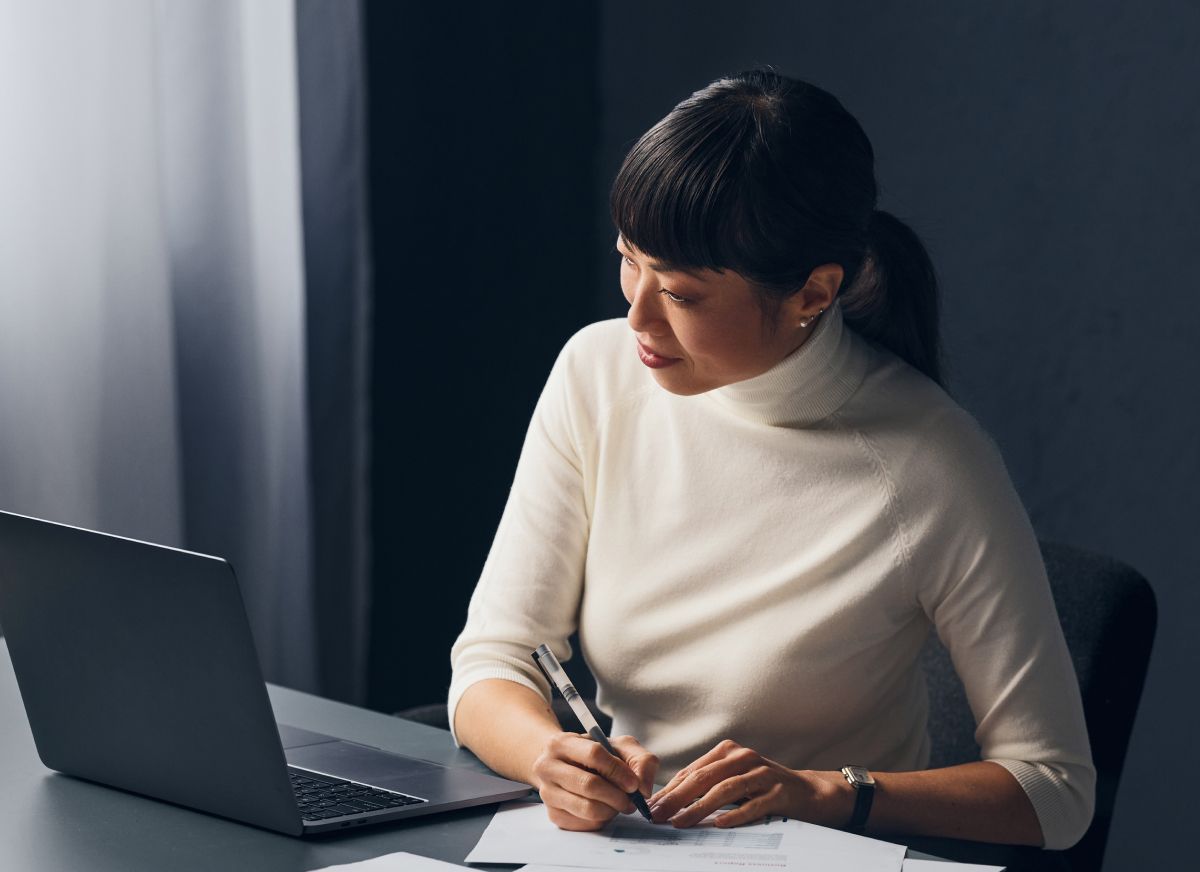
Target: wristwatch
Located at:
point(864, 792)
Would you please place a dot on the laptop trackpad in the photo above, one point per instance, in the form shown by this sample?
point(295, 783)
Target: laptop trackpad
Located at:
point(358, 762)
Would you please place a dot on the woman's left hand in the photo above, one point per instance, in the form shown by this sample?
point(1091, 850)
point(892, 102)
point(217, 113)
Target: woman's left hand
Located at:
point(730, 773)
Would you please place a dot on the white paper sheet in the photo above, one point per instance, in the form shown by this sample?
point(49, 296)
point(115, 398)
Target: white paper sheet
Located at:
point(401, 861)
point(909, 866)
point(520, 832)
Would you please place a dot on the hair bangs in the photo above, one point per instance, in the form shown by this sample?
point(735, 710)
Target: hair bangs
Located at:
point(676, 196)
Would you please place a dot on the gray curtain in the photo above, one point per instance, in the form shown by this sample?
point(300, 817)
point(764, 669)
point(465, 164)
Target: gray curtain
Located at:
point(154, 330)
point(88, 430)
point(337, 272)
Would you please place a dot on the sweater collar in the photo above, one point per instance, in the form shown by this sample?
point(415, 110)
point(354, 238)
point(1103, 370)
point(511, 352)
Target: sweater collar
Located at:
point(809, 384)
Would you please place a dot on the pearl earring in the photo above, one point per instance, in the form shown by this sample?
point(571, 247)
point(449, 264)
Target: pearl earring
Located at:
point(806, 321)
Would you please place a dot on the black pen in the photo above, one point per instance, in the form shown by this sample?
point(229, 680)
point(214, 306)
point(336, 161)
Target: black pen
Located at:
point(554, 672)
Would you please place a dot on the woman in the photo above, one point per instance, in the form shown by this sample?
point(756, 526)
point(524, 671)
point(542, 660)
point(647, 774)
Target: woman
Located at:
point(754, 501)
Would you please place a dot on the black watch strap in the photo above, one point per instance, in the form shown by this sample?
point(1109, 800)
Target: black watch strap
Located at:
point(864, 795)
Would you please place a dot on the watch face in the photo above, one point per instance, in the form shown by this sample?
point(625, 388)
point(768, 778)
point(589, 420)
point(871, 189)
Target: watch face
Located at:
point(859, 775)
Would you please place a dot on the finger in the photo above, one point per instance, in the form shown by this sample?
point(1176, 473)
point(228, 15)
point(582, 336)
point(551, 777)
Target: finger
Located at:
point(700, 781)
point(742, 787)
point(584, 784)
point(591, 755)
point(642, 762)
point(719, 751)
point(564, 820)
point(586, 754)
point(698, 784)
point(670, 785)
point(755, 809)
point(673, 786)
point(647, 773)
point(582, 808)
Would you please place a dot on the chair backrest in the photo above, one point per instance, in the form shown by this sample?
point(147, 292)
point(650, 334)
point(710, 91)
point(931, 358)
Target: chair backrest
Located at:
point(1108, 615)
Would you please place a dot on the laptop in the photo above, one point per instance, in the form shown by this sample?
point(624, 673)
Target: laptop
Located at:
point(137, 670)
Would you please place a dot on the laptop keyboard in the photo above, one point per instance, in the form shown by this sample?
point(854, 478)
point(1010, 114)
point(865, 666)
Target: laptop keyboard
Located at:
point(323, 796)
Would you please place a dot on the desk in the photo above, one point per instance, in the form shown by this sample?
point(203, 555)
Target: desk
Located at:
point(53, 823)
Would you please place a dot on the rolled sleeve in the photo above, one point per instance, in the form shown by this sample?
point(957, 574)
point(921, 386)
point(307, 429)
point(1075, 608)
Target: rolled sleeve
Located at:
point(494, 666)
point(1062, 795)
point(985, 590)
point(529, 591)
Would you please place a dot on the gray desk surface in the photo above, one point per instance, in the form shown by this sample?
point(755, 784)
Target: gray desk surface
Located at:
point(52, 822)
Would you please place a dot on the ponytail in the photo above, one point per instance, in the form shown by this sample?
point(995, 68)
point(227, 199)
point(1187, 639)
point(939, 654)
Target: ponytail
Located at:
point(893, 301)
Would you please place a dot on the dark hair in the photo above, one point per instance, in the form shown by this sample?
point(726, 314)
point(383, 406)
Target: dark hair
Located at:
point(771, 177)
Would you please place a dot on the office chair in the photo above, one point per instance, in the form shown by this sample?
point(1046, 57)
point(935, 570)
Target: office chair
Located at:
point(1108, 615)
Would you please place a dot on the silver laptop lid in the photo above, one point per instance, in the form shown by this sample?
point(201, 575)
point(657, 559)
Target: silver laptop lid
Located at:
point(137, 669)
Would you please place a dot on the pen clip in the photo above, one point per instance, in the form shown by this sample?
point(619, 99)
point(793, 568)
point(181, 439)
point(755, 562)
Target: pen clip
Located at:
point(553, 670)
point(538, 661)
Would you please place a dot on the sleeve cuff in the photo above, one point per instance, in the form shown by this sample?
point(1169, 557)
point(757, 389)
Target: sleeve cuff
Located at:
point(1063, 799)
point(460, 683)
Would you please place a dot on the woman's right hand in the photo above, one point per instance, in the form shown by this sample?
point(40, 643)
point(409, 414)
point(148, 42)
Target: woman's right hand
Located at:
point(583, 786)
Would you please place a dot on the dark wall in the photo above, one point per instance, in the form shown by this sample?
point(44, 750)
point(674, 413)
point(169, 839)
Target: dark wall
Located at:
point(1047, 154)
point(482, 133)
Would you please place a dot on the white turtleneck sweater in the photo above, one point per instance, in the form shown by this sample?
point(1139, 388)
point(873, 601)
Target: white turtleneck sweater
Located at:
point(763, 563)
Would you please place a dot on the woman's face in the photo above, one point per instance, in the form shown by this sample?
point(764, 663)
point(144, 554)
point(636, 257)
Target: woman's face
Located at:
point(701, 330)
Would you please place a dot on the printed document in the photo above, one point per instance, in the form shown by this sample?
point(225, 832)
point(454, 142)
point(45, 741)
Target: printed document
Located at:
point(520, 832)
point(909, 866)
